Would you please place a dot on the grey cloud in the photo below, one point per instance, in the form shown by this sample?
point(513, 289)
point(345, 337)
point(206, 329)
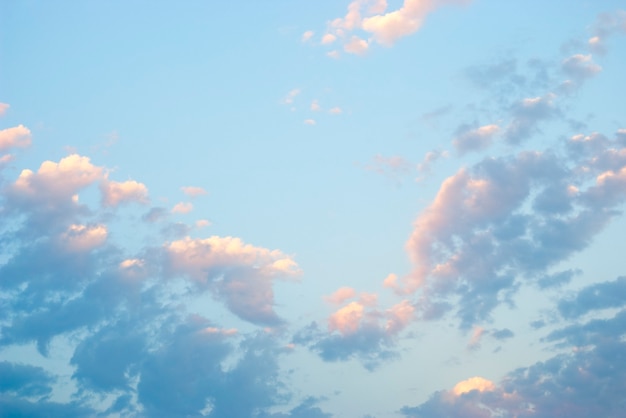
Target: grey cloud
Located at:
point(369, 344)
point(597, 296)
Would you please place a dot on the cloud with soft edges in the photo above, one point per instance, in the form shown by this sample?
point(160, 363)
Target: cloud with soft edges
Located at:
point(16, 137)
point(586, 379)
point(374, 23)
point(115, 306)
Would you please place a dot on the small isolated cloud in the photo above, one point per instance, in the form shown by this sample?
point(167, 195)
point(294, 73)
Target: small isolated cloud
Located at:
point(328, 39)
point(478, 139)
point(290, 97)
point(193, 191)
point(202, 223)
point(356, 46)
point(334, 54)
point(309, 122)
point(335, 111)
point(182, 207)
point(3, 108)
point(114, 193)
point(341, 295)
point(306, 36)
point(16, 137)
point(395, 167)
point(315, 106)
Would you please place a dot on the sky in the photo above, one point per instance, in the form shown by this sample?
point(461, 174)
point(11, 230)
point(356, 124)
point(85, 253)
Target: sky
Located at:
point(312, 209)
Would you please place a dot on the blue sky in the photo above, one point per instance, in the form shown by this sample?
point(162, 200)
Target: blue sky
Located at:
point(314, 209)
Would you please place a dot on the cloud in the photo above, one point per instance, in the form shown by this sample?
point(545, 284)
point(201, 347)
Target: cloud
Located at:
point(606, 26)
point(115, 193)
point(526, 114)
point(341, 295)
point(290, 97)
point(356, 46)
point(505, 221)
point(477, 139)
point(310, 122)
point(182, 207)
point(359, 330)
point(580, 67)
point(194, 191)
point(369, 17)
point(394, 167)
point(16, 137)
point(238, 273)
point(389, 27)
point(328, 39)
point(306, 36)
point(335, 110)
point(585, 380)
point(24, 380)
point(315, 106)
point(603, 295)
point(3, 108)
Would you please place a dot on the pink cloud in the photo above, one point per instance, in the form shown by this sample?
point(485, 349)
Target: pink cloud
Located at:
point(193, 191)
point(57, 181)
point(82, 238)
point(347, 319)
point(3, 108)
point(115, 193)
point(473, 383)
point(340, 295)
point(16, 137)
point(239, 273)
point(182, 207)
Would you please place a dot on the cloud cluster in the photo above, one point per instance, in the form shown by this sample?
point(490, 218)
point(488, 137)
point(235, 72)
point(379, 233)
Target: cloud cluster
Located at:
point(133, 339)
point(509, 219)
point(587, 380)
